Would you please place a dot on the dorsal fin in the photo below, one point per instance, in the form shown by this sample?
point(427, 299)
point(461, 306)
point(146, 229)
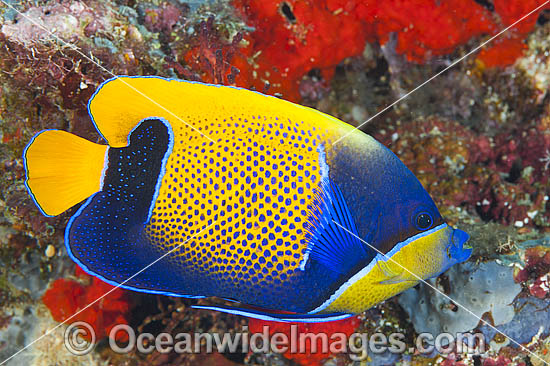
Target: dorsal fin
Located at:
point(119, 104)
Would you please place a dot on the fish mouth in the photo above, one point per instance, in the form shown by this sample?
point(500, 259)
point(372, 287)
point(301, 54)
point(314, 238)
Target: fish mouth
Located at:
point(460, 251)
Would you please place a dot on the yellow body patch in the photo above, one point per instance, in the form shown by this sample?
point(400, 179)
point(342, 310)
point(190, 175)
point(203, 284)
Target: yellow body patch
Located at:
point(423, 257)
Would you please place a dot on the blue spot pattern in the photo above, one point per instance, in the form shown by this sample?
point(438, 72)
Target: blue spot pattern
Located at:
point(108, 238)
point(105, 236)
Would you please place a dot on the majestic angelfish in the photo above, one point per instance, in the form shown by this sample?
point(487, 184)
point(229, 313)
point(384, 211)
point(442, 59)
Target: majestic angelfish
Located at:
point(247, 197)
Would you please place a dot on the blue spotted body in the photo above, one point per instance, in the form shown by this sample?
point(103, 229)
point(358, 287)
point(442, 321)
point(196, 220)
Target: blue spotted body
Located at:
point(249, 198)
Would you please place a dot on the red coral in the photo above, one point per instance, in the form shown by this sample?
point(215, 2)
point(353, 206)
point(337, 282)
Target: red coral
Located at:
point(503, 52)
point(500, 361)
point(506, 50)
point(540, 288)
point(536, 270)
point(66, 297)
point(293, 37)
point(307, 358)
point(511, 11)
point(452, 360)
point(429, 28)
point(211, 59)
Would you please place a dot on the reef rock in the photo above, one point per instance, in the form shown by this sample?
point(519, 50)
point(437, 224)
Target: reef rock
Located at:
point(487, 288)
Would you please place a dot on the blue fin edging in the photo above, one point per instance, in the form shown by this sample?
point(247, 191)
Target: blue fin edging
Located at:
point(287, 318)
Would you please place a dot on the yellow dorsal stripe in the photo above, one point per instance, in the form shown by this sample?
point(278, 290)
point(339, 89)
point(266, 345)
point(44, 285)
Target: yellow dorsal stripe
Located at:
point(121, 103)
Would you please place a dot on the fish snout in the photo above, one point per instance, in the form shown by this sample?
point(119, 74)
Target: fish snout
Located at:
point(459, 250)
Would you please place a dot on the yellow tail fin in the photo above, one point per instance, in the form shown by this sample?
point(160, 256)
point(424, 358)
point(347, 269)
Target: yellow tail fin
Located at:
point(62, 170)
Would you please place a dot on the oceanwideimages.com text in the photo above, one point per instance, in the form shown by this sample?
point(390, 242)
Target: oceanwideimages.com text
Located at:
point(357, 345)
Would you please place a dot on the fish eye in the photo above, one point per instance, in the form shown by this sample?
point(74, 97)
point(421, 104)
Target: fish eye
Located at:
point(423, 220)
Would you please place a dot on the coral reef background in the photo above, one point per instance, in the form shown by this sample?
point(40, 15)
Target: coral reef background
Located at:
point(477, 136)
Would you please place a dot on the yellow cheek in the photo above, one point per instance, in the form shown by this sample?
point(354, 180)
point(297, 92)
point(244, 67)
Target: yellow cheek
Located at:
point(423, 257)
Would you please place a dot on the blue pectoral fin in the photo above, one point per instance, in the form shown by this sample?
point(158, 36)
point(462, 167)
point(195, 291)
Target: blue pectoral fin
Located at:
point(264, 315)
point(332, 234)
